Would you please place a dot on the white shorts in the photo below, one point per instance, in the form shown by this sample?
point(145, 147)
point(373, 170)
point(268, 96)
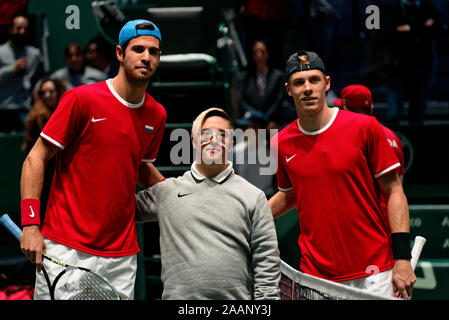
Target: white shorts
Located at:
point(120, 271)
point(378, 283)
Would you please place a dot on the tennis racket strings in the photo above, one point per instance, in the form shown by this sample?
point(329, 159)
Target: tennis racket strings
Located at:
point(75, 283)
point(72, 283)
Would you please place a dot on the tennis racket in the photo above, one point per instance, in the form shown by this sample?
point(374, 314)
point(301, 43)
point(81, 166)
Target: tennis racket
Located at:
point(72, 283)
point(416, 252)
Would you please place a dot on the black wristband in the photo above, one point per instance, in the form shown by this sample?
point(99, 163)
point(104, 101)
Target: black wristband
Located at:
point(400, 243)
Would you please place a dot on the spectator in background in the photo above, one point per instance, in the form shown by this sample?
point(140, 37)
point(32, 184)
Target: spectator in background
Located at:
point(10, 9)
point(358, 99)
point(99, 55)
point(264, 18)
point(324, 19)
point(75, 73)
point(262, 86)
point(46, 97)
point(20, 67)
point(247, 162)
point(409, 70)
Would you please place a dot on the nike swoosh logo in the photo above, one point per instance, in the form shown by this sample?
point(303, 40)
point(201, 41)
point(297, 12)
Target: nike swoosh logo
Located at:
point(180, 195)
point(96, 120)
point(288, 159)
point(32, 212)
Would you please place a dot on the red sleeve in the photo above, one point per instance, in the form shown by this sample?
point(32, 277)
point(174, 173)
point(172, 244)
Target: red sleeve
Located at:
point(282, 178)
point(65, 122)
point(380, 154)
point(153, 149)
point(400, 154)
point(396, 144)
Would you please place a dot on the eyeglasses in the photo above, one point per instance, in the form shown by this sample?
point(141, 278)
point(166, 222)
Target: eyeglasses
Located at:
point(221, 136)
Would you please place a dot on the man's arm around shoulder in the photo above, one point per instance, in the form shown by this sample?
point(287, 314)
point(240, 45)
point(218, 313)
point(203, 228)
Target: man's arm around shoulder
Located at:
point(148, 200)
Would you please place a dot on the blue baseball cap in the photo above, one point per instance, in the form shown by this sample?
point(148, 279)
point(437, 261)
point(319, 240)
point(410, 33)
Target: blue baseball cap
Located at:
point(132, 30)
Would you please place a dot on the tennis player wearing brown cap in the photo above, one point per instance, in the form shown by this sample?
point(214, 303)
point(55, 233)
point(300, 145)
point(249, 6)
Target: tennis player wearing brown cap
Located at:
point(335, 165)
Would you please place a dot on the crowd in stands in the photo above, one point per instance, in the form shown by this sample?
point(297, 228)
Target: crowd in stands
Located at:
point(269, 31)
point(28, 94)
point(401, 57)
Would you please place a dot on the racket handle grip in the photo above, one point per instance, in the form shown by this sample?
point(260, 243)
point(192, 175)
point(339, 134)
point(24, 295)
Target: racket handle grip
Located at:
point(6, 221)
point(416, 250)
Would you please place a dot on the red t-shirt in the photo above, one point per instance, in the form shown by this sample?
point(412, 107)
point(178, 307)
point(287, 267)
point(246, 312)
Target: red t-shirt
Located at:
point(91, 206)
point(398, 148)
point(332, 173)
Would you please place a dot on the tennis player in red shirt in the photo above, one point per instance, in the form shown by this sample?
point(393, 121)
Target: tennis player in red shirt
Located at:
point(358, 98)
point(105, 137)
point(334, 165)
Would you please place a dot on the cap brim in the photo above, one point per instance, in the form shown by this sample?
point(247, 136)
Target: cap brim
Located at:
point(338, 102)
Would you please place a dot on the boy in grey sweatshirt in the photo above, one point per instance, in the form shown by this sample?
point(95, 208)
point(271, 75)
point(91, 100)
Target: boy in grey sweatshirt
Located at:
point(217, 235)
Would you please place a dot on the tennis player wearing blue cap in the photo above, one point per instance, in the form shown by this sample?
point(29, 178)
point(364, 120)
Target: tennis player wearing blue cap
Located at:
point(105, 137)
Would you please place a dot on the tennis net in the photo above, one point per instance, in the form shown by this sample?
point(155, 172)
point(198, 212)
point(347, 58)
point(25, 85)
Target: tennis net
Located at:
point(296, 285)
